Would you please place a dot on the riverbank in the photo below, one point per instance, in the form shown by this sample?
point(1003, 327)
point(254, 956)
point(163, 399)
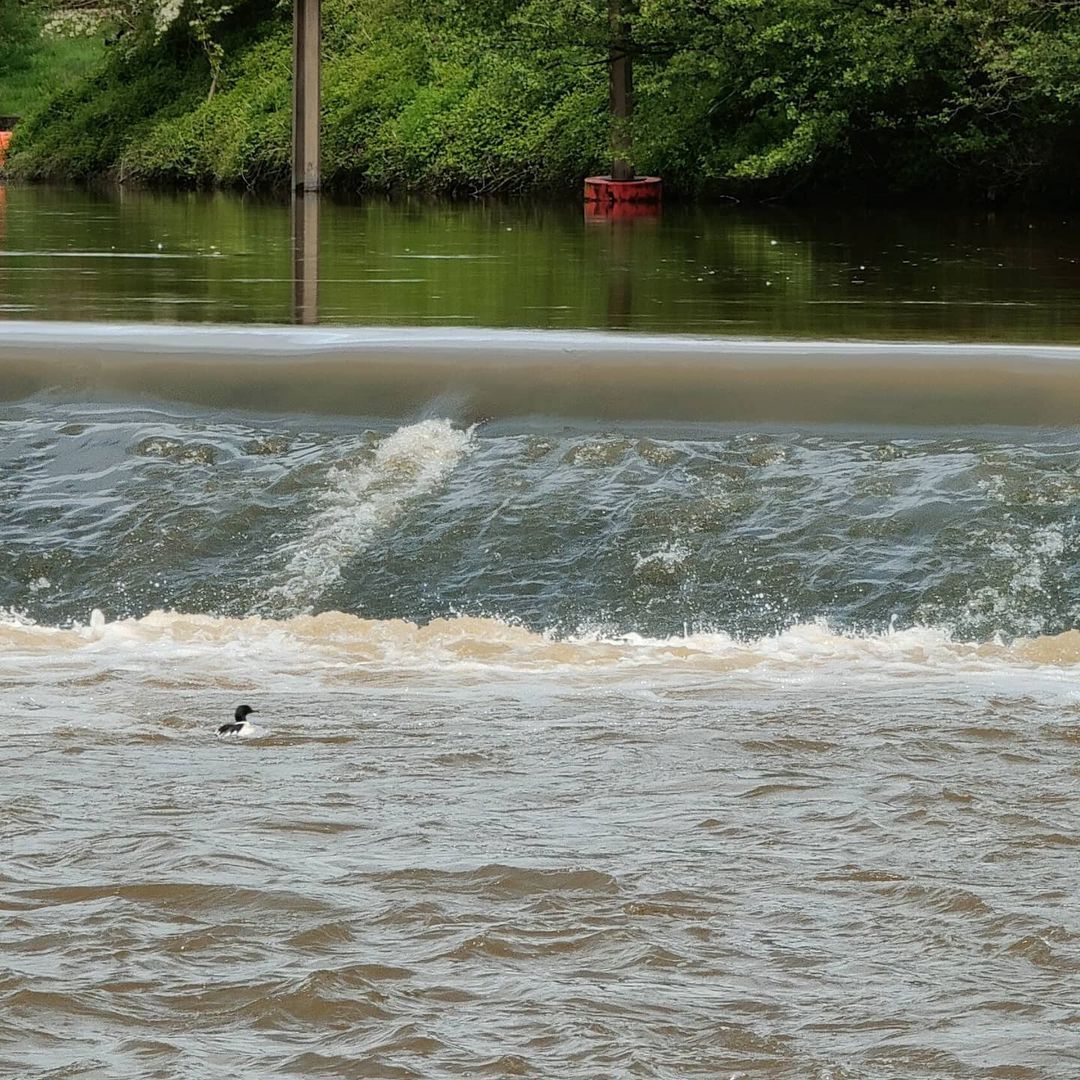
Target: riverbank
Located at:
point(411, 100)
point(959, 101)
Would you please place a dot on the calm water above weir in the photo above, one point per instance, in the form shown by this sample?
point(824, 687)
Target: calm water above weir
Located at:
point(671, 709)
point(723, 270)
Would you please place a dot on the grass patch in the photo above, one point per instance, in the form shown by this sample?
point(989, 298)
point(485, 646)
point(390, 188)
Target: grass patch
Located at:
point(44, 66)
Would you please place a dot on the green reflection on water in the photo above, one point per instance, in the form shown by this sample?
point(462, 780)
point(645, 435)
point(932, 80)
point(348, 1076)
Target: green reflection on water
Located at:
point(147, 256)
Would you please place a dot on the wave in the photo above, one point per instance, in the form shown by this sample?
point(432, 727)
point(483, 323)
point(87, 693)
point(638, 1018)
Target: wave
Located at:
point(744, 531)
point(339, 641)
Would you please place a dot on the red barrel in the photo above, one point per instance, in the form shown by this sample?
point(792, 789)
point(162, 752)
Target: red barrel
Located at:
point(603, 192)
point(5, 138)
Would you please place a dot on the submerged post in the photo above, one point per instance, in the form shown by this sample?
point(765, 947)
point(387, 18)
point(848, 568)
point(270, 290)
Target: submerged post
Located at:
point(307, 58)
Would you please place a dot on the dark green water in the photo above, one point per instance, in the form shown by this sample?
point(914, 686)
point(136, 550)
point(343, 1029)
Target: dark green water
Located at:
point(190, 257)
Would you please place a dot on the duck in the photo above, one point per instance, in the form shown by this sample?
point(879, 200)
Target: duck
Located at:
point(239, 727)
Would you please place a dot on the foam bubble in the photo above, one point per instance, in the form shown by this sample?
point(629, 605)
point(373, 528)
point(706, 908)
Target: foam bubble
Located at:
point(663, 565)
point(669, 555)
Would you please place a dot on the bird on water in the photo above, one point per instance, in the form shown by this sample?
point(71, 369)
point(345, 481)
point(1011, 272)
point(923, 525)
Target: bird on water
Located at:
point(239, 725)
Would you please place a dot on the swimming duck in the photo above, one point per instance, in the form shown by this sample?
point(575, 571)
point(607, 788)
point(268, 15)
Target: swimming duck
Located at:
point(239, 726)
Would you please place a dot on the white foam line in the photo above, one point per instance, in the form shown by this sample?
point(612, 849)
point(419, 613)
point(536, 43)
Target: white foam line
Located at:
point(336, 642)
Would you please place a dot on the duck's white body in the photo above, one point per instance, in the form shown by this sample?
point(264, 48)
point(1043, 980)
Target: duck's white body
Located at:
point(241, 727)
point(244, 730)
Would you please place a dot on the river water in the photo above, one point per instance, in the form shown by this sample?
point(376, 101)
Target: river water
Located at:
point(670, 727)
point(722, 270)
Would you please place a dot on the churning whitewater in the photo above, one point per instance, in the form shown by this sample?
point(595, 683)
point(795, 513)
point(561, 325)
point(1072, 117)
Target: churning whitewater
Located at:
point(569, 532)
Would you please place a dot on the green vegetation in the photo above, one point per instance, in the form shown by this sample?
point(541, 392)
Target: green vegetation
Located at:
point(759, 98)
point(34, 64)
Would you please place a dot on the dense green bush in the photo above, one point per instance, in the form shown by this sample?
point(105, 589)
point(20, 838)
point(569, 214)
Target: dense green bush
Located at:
point(754, 97)
point(414, 96)
point(911, 95)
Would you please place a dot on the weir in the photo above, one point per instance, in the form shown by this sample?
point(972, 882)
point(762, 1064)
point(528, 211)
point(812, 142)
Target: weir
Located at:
point(398, 371)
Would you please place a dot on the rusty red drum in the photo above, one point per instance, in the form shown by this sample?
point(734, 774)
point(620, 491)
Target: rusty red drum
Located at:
point(604, 191)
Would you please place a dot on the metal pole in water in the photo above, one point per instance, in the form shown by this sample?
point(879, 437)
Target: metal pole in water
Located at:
point(307, 54)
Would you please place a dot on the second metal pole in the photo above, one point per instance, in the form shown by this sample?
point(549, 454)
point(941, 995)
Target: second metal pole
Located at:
point(622, 94)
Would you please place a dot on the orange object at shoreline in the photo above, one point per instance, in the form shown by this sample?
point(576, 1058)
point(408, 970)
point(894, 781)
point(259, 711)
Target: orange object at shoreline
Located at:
point(5, 138)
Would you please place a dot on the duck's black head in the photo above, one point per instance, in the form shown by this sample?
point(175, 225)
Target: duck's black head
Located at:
point(242, 712)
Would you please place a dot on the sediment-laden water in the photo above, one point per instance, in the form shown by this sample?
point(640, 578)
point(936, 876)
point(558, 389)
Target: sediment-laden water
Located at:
point(624, 748)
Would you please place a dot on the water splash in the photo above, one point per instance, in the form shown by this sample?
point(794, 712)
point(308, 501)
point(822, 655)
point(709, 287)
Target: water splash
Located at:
point(366, 497)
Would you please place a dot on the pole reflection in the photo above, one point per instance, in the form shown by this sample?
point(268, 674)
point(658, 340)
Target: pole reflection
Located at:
point(305, 255)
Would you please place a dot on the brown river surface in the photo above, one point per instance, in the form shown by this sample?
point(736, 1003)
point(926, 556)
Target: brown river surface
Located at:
point(637, 706)
point(597, 864)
